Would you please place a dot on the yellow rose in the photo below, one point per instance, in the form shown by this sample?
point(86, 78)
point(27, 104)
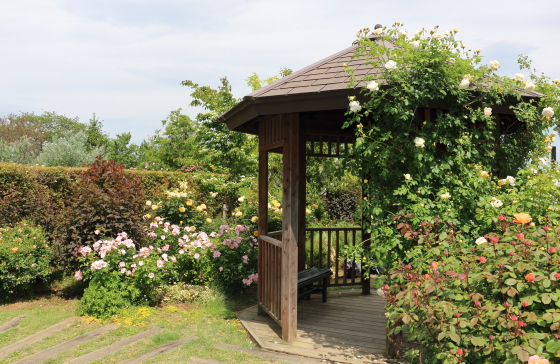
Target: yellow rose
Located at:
point(315, 206)
point(148, 216)
point(238, 214)
point(209, 220)
point(254, 219)
point(189, 202)
point(202, 206)
point(15, 249)
point(307, 211)
point(182, 209)
point(484, 174)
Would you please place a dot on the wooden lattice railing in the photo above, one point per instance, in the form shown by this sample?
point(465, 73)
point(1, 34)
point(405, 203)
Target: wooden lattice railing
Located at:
point(323, 250)
point(270, 263)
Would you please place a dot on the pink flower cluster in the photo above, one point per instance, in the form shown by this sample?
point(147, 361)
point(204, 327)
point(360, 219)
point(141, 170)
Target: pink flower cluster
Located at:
point(252, 278)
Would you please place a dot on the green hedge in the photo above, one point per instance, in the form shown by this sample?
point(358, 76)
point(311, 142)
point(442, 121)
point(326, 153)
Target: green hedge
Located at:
point(57, 198)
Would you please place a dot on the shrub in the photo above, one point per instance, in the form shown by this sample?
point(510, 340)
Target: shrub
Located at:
point(25, 259)
point(494, 300)
point(105, 201)
point(173, 255)
point(69, 150)
point(19, 151)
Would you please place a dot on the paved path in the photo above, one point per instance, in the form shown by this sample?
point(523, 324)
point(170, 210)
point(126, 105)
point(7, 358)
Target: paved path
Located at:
point(46, 354)
point(164, 348)
point(11, 324)
point(32, 339)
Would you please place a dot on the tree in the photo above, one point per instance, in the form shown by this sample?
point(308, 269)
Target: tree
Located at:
point(69, 149)
point(222, 150)
point(96, 137)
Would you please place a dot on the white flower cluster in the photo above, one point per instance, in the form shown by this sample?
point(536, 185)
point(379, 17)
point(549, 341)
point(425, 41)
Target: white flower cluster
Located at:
point(496, 203)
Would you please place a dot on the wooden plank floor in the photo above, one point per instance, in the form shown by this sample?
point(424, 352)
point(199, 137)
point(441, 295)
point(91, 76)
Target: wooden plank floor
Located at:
point(348, 328)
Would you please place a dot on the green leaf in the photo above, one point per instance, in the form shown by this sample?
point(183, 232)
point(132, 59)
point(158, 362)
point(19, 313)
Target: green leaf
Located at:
point(553, 346)
point(510, 281)
point(453, 336)
point(546, 283)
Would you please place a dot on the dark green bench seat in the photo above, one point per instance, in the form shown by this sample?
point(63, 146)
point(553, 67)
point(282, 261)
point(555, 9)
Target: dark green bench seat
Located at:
point(307, 277)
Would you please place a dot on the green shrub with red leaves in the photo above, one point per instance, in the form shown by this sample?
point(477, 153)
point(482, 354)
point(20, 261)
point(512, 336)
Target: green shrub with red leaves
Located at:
point(493, 300)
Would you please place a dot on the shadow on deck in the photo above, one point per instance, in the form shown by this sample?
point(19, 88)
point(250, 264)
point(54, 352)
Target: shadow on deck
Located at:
point(349, 328)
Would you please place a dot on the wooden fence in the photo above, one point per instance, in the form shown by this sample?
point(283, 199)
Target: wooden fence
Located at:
point(324, 250)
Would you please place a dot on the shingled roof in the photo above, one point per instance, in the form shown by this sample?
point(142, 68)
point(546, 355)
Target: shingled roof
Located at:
point(323, 85)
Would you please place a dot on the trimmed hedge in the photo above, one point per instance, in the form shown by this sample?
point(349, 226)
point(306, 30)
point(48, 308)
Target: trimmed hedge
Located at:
point(65, 201)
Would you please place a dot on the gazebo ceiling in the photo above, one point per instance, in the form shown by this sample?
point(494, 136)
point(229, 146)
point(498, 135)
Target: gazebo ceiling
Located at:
point(319, 87)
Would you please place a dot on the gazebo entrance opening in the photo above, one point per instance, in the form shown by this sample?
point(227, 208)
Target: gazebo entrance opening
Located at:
point(282, 254)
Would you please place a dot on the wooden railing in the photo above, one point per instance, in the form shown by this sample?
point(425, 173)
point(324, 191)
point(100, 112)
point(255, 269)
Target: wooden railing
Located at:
point(270, 264)
point(323, 250)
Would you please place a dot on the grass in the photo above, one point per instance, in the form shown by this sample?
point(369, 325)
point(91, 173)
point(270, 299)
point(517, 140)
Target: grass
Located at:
point(212, 322)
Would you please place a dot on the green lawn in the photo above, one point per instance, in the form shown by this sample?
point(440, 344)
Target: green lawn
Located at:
point(212, 322)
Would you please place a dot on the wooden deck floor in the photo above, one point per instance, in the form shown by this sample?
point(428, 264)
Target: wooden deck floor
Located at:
point(349, 328)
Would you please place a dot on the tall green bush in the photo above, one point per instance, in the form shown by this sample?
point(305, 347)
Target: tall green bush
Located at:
point(25, 259)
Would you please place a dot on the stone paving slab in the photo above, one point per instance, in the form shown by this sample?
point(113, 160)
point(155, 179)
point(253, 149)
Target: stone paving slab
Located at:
point(110, 349)
point(158, 351)
point(205, 361)
point(46, 354)
point(32, 339)
point(10, 324)
point(271, 355)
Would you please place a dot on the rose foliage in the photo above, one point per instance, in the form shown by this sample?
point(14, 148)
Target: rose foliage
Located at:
point(120, 274)
point(493, 301)
point(436, 129)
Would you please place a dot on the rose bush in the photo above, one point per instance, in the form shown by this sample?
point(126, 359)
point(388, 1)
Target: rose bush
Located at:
point(495, 300)
point(25, 259)
point(433, 138)
point(120, 274)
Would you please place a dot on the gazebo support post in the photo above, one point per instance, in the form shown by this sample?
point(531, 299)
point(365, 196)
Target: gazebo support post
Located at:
point(290, 223)
point(263, 217)
point(366, 238)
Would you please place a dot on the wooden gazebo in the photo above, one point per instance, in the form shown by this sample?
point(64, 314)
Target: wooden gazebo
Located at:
point(298, 116)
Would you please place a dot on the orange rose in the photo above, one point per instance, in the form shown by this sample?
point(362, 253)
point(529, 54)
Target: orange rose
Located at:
point(530, 277)
point(523, 218)
point(434, 265)
point(15, 249)
point(256, 233)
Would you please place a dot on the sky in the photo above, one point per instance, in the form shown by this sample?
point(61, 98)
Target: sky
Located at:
point(124, 60)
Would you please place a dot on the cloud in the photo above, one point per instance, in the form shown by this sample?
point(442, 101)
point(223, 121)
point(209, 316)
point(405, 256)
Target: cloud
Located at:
point(125, 59)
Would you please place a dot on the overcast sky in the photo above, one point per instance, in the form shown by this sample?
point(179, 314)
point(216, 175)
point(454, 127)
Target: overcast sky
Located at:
point(124, 59)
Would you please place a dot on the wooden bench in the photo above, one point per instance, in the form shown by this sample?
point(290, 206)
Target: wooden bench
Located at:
point(307, 277)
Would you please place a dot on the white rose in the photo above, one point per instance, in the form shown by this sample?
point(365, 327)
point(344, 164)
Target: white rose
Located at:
point(556, 183)
point(372, 86)
point(419, 142)
point(355, 106)
point(547, 112)
point(519, 76)
point(542, 161)
point(496, 203)
point(402, 33)
point(447, 33)
point(407, 177)
point(494, 65)
point(445, 195)
point(510, 180)
point(418, 32)
point(464, 83)
point(487, 111)
point(436, 36)
point(481, 240)
point(378, 31)
point(391, 65)
point(529, 87)
point(415, 45)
